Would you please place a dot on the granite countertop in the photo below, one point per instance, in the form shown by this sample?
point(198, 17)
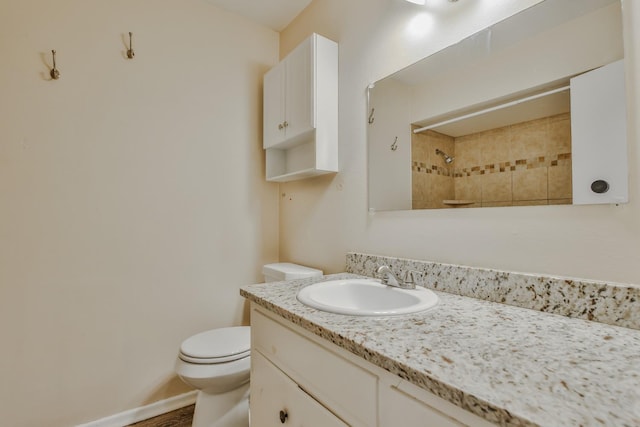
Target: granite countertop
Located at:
point(509, 365)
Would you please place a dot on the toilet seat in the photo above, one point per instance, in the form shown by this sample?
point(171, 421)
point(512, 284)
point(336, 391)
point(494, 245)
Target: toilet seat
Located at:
point(217, 346)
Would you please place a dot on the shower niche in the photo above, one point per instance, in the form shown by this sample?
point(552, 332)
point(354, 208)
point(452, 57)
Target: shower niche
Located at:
point(530, 111)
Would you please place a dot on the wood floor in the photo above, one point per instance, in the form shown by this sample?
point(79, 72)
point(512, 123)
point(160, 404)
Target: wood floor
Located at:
point(179, 418)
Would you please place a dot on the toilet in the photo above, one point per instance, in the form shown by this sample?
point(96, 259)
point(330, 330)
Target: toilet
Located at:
point(217, 363)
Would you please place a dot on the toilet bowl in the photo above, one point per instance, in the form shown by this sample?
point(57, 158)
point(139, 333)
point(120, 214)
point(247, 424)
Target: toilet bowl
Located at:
point(217, 363)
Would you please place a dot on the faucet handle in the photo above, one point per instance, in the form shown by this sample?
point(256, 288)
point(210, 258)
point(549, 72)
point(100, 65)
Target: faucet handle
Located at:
point(412, 277)
point(386, 276)
point(382, 271)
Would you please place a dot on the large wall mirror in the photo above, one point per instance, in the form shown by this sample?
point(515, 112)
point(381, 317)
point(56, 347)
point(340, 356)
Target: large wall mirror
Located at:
point(494, 119)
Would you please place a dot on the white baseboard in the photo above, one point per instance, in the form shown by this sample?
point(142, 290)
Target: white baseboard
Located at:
point(145, 412)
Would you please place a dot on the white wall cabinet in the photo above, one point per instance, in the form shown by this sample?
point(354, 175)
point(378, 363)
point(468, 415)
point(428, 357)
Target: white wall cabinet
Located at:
point(317, 383)
point(300, 122)
point(289, 110)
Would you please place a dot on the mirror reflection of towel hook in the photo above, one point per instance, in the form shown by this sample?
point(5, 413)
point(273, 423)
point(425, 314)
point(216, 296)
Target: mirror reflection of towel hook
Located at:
point(394, 146)
point(130, 52)
point(54, 73)
point(371, 118)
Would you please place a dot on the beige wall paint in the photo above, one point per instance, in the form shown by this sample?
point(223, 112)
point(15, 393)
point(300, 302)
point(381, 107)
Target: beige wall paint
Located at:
point(132, 197)
point(323, 218)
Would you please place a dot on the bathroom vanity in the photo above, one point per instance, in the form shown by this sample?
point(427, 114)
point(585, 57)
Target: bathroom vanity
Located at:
point(467, 362)
point(304, 380)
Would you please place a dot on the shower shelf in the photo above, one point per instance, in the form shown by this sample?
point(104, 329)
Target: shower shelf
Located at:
point(458, 202)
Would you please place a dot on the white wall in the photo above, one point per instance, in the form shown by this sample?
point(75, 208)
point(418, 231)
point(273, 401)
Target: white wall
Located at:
point(323, 218)
point(132, 197)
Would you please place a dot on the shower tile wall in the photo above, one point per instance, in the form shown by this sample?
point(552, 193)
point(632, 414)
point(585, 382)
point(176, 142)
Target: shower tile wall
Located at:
point(524, 164)
point(432, 179)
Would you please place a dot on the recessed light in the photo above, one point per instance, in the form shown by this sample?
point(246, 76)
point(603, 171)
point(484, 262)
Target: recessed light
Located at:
point(417, 1)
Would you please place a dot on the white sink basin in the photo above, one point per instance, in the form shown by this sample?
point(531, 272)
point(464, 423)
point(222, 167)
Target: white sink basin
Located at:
point(366, 297)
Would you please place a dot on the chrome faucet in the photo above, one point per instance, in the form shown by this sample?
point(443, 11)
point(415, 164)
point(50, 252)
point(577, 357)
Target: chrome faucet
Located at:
point(410, 279)
point(386, 276)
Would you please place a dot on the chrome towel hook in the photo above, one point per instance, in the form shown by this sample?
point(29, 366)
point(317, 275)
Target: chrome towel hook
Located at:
point(54, 73)
point(130, 52)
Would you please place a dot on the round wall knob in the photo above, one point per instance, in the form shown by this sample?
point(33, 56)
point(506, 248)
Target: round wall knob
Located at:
point(283, 417)
point(280, 127)
point(286, 124)
point(600, 186)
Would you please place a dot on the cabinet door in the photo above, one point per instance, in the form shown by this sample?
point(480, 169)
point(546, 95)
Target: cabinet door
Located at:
point(404, 404)
point(346, 388)
point(399, 409)
point(599, 136)
point(273, 106)
point(278, 401)
point(299, 90)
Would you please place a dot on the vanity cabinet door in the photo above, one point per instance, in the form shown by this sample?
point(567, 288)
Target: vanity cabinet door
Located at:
point(398, 408)
point(404, 404)
point(339, 384)
point(278, 401)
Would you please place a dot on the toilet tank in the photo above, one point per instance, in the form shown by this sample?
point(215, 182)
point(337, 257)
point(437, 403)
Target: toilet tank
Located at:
point(288, 271)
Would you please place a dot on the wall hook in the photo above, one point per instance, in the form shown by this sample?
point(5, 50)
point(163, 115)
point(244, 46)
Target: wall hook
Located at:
point(130, 52)
point(54, 73)
point(394, 146)
point(371, 117)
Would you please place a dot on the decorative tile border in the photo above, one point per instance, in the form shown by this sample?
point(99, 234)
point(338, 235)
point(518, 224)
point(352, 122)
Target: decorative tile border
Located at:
point(433, 169)
point(521, 164)
point(610, 303)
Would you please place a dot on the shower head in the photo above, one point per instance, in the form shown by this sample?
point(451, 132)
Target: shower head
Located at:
point(447, 159)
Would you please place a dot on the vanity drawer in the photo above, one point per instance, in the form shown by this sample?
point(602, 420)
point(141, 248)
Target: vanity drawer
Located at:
point(349, 390)
point(277, 400)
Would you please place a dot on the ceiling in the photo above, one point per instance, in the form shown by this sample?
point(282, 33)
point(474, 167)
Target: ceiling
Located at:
point(275, 14)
